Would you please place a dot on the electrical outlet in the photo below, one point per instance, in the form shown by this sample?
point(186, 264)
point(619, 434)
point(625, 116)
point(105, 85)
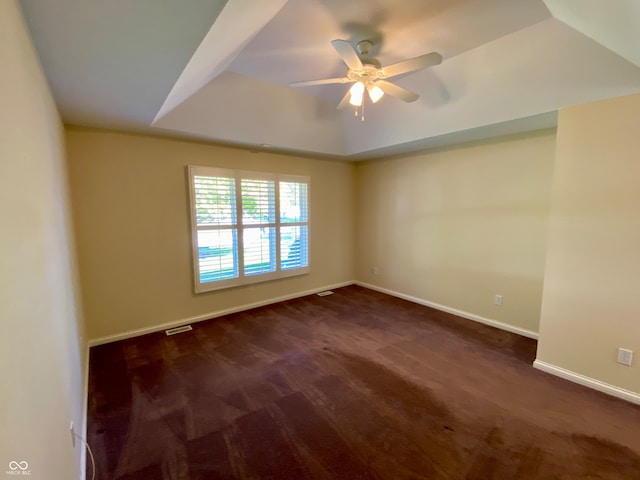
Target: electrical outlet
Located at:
point(73, 435)
point(498, 300)
point(625, 356)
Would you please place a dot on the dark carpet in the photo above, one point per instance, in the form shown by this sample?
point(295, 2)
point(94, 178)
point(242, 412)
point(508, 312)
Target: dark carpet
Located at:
point(356, 385)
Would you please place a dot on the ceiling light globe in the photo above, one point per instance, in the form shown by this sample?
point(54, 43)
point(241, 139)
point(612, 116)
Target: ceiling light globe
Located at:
point(357, 89)
point(356, 100)
point(375, 93)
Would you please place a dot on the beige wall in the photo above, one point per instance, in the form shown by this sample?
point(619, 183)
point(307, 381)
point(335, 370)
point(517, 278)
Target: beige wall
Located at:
point(591, 303)
point(457, 226)
point(132, 220)
point(41, 368)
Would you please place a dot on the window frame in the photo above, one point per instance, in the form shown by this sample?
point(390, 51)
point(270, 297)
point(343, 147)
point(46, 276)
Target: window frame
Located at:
point(240, 226)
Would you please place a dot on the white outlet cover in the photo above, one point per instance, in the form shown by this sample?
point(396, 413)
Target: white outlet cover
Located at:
point(625, 356)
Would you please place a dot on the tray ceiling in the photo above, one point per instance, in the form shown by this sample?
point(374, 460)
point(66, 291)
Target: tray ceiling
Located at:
point(220, 70)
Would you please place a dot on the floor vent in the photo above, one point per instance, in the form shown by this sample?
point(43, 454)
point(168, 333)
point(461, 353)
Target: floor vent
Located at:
point(173, 331)
point(325, 293)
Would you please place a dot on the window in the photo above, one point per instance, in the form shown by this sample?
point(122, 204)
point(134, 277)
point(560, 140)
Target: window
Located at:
point(247, 227)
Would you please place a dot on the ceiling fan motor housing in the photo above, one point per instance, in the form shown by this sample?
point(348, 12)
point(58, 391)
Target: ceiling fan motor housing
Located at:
point(368, 74)
point(364, 47)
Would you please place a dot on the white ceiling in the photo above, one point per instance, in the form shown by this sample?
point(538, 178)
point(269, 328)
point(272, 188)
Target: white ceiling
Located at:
point(220, 70)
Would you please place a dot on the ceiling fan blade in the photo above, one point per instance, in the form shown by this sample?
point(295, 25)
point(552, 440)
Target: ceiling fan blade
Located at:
point(345, 100)
point(324, 81)
point(397, 91)
point(412, 64)
point(348, 54)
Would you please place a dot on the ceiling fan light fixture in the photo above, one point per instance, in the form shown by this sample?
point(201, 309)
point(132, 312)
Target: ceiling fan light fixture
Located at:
point(375, 93)
point(368, 74)
point(356, 91)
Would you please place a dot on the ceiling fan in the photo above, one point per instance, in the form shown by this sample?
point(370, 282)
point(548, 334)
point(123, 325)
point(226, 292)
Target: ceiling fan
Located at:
point(366, 73)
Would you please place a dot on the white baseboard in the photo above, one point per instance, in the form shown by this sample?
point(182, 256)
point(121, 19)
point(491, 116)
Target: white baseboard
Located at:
point(585, 381)
point(206, 316)
point(460, 313)
point(85, 414)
